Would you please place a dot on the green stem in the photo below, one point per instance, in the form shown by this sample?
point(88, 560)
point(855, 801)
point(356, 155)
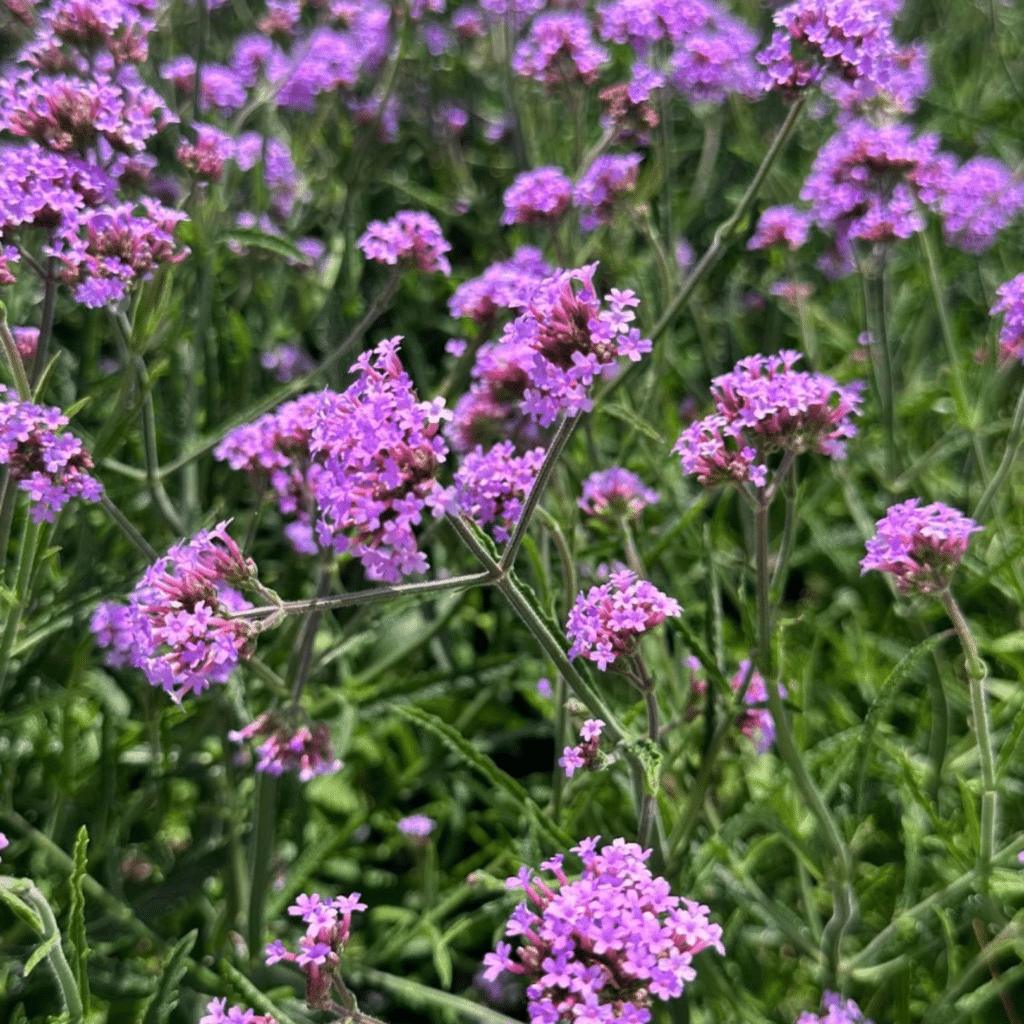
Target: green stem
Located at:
point(26, 564)
point(977, 671)
point(304, 646)
point(261, 848)
point(45, 322)
point(127, 528)
point(872, 279)
point(14, 358)
point(1013, 442)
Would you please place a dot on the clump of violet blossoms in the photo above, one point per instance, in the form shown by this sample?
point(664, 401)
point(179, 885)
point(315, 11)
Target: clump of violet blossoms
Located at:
point(765, 406)
point(416, 826)
point(604, 947)
point(837, 1010)
point(304, 750)
point(587, 753)
point(1011, 305)
point(615, 493)
point(574, 339)
point(49, 465)
point(920, 545)
point(607, 621)
point(218, 1012)
point(178, 626)
point(537, 196)
point(328, 924)
point(409, 239)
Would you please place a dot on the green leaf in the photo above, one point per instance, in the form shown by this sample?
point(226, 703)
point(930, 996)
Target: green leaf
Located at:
point(269, 243)
point(651, 757)
point(18, 907)
point(39, 953)
point(441, 955)
point(620, 412)
point(881, 704)
point(459, 745)
point(76, 917)
point(165, 998)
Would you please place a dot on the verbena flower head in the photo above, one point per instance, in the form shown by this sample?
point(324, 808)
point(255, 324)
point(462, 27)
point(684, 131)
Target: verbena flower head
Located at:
point(304, 750)
point(537, 196)
point(920, 545)
point(779, 224)
point(490, 486)
point(48, 464)
point(4, 842)
point(1011, 305)
point(328, 926)
point(574, 340)
point(765, 406)
point(978, 201)
point(218, 1012)
point(616, 493)
point(756, 723)
point(378, 450)
point(836, 1010)
point(286, 362)
point(603, 947)
point(559, 49)
point(503, 285)
point(418, 826)
point(178, 627)
point(411, 239)
point(606, 180)
point(608, 620)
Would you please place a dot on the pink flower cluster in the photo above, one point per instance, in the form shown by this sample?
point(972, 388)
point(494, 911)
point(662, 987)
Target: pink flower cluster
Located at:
point(1011, 305)
point(218, 1012)
point(604, 947)
point(303, 750)
point(377, 451)
point(4, 842)
point(574, 340)
point(328, 924)
point(559, 49)
point(586, 754)
point(605, 180)
point(49, 465)
point(490, 486)
point(606, 622)
point(417, 826)
point(765, 406)
point(507, 284)
point(178, 626)
point(537, 196)
point(920, 545)
point(756, 723)
point(411, 239)
point(836, 1010)
point(616, 493)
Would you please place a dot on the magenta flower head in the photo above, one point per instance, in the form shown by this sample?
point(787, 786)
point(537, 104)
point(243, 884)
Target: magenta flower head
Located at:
point(4, 842)
point(606, 622)
point(604, 947)
point(920, 545)
point(49, 465)
point(979, 200)
point(410, 239)
point(574, 340)
point(587, 753)
point(178, 627)
point(1011, 305)
point(507, 284)
point(303, 749)
point(218, 1012)
point(328, 926)
point(756, 723)
point(837, 1010)
point(417, 826)
point(537, 196)
point(616, 493)
point(559, 49)
point(607, 179)
point(765, 406)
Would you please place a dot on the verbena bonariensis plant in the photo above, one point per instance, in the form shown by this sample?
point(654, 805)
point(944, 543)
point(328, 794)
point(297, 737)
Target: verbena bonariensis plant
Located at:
point(577, 220)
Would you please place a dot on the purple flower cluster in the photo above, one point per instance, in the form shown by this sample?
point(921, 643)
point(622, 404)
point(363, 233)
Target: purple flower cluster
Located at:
point(328, 924)
point(218, 1012)
point(178, 626)
point(411, 239)
point(417, 826)
point(559, 49)
point(541, 195)
point(607, 621)
point(616, 493)
point(504, 285)
point(574, 341)
point(490, 486)
point(920, 545)
point(756, 723)
point(605, 180)
point(4, 843)
point(779, 224)
point(765, 406)
point(303, 750)
point(586, 754)
point(286, 362)
point(48, 464)
point(847, 46)
point(602, 948)
point(836, 1010)
point(978, 201)
point(1011, 305)
point(377, 450)
point(709, 52)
